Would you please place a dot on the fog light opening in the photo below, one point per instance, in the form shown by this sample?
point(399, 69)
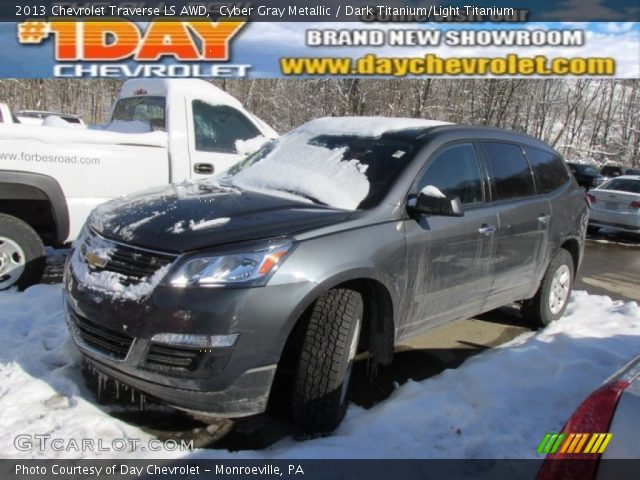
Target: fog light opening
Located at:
point(197, 341)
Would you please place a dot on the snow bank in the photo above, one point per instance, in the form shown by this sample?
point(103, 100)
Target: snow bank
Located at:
point(42, 389)
point(498, 404)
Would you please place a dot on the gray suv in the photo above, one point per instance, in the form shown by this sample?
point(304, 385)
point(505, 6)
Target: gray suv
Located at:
point(345, 235)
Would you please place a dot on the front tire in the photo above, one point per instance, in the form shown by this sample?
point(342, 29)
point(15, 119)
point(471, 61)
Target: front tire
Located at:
point(22, 257)
point(551, 299)
point(328, 350)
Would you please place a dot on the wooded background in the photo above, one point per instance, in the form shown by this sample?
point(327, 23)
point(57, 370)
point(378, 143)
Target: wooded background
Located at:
point(586, 120)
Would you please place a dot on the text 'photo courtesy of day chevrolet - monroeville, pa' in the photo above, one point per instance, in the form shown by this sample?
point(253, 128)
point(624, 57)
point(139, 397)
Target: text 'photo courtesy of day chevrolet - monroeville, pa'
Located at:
point(319, 240)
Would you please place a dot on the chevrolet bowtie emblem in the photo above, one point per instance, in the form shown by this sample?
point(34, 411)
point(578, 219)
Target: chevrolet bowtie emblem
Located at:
point(94, 260)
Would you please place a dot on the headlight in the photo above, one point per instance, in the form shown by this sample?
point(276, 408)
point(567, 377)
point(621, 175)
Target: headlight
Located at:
point(232, 269)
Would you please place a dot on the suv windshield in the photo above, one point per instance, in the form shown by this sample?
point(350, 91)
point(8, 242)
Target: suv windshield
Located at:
point(346, 172)
point(150, 110)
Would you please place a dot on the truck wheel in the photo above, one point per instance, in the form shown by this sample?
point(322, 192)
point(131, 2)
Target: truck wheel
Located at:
point(328, 350)
point(551, 299)
point(22, 257)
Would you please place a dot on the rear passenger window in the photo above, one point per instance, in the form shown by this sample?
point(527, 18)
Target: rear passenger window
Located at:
point(509, 171)
point(548, 170)
point(455, 171)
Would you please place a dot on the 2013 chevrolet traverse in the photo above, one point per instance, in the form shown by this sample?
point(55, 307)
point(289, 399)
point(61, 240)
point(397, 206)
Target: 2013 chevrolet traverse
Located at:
point(345, 235)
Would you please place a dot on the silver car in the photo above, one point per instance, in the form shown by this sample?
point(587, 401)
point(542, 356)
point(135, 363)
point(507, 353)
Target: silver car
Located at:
point(616, 205)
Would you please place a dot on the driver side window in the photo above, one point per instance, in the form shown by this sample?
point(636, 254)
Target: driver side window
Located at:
point(455, 171)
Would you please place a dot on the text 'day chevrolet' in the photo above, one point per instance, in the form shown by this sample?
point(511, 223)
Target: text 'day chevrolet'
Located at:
point(345, 235)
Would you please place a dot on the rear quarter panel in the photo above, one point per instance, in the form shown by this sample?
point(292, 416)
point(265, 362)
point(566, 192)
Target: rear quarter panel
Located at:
point(569, 219)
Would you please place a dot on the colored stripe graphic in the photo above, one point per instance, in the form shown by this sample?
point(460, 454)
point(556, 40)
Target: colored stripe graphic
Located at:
point(558, 442)
point(543, 443)
point(550, 443)
point(574, 443)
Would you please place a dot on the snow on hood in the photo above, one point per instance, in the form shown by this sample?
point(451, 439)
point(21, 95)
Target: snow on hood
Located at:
point(297, 166)
point(106, 217)
point(183, 225)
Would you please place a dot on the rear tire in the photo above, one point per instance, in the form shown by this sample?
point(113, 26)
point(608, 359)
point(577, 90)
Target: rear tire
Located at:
point(551, 299)
point(22, 257)
point(321, 381)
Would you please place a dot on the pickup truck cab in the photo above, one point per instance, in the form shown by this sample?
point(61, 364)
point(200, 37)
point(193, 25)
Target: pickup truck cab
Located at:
point(160, 132)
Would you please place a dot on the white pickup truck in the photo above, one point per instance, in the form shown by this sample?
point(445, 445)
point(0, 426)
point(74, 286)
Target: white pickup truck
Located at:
point(53, 175)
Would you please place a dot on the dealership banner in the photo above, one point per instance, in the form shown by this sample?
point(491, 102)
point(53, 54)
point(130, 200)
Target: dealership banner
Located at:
point(320, 39)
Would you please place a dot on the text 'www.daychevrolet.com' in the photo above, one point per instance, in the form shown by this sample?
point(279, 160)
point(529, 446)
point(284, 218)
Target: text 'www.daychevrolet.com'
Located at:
point(430, 64)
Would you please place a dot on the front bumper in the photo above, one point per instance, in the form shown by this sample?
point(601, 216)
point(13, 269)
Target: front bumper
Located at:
point(115, 336)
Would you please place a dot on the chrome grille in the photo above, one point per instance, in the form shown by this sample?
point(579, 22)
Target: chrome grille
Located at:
point(133, 264)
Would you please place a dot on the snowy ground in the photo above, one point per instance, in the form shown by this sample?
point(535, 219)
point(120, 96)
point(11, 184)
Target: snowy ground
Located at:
point(498, 404)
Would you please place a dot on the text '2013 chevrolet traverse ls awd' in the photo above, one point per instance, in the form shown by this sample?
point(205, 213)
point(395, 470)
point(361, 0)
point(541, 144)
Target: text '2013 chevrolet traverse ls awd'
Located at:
point(344, 235)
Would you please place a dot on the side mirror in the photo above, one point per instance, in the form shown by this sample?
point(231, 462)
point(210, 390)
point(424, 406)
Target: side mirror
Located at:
point(430, 201)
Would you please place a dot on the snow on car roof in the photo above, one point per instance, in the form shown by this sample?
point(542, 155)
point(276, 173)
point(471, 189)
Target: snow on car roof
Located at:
point(366, 126)
point(186, 87)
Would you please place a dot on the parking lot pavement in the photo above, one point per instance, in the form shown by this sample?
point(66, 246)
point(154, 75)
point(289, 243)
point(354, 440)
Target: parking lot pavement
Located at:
point(611, 267)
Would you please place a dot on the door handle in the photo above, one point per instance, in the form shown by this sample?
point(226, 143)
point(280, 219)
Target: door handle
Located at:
point(486, 229)
point(543, 218)
point(205, 168)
